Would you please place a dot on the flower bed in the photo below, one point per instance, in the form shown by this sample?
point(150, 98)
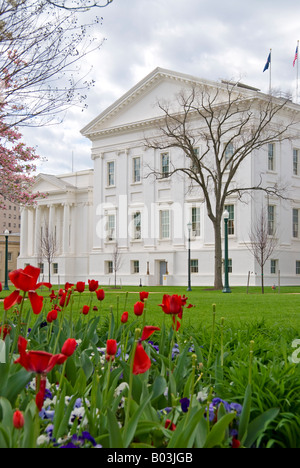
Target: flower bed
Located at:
point(68, 382)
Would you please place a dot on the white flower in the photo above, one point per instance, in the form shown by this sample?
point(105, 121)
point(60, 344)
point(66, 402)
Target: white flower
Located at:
point(202, 396)
point(120, 388)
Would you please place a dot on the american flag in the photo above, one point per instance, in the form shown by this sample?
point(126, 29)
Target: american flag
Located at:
point(296, 56)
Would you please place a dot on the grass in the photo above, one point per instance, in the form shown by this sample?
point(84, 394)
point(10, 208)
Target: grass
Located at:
point(238, 308)
point(271, 320)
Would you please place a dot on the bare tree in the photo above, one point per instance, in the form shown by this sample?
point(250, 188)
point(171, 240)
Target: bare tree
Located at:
point(48, 247)
point(263, 241)
point(230, 123)
point(42, 45)
point(116, 261)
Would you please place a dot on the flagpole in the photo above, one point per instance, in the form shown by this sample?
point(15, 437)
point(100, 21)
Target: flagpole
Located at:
point(270, 77)
point(297, 73)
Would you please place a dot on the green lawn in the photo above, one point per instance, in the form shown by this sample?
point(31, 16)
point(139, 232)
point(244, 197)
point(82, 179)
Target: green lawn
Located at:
point(274, 309)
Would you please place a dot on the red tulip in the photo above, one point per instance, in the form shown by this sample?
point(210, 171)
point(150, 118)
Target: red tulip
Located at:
point(235, 442)
point(52, 296)
point(141, 362)
point(5, 330)
point(65, 298)
point(111, 349)
point(0, 287)
point(26, 281)
point(147, 331)
point(18, 419)
point(40, 396)
point(138, 308)
point(100, 294)
point(171, 304)
point(93, 285)
point(143, 295)
point(69, 347)
point(37, 361)
point(52, 315)
point(170, 425)
point(80, 286)
point(36, 302)
point(124, 317)
point(85, 309)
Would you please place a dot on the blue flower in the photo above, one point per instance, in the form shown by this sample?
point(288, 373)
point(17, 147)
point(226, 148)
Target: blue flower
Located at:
point(185, 403)
point(236, 407)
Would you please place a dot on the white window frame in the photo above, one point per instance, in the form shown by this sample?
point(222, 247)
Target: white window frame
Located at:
point(271, 219)
point(296, 153)
point(165, 168)
point(230, 207)
point(295, 227)
point(136, 171)
point(194, 265)
point(228, 151)
point(137, 225)
point(111, 174)
point(135, 267)
point(164, 223)
point(111, 226)
point(271, 157)
point(196, 221)
point(273, 266)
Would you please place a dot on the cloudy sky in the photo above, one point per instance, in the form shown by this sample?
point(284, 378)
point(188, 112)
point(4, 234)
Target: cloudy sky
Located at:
point(211, 39)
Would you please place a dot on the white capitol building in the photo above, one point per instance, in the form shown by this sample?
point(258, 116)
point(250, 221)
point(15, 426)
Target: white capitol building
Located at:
point(118, 209)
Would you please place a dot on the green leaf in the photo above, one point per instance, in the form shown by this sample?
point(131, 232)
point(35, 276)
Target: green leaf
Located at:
point(7, 422)
point(218, 431)
point(29, 439)
point(181, 367)
point(5, 439)
point(59, 413)
point(16, 384)
point(258, 425)
point(115, 436)
point(245, 415)
point(158, 387)
point(63, 426)
point(128, 436)
point(185, 432)
point(87, 365)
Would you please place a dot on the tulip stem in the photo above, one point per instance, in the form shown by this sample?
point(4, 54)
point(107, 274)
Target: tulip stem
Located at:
point(212, 335)
point(222, 341)
point(3, 324)
point(107, 381)
point(18, 329)
point(136, 338)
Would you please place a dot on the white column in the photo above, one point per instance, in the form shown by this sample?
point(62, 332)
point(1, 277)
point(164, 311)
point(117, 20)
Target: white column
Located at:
point(24, 232)
point(66, 227)
point(37, 230)
point(51, 223)
point(30, 231)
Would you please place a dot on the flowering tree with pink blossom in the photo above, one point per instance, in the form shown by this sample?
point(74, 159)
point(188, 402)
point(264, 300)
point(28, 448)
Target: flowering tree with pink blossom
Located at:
point(17, 162)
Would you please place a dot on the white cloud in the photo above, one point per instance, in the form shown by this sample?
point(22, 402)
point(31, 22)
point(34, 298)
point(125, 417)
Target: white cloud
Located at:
point(210, 39)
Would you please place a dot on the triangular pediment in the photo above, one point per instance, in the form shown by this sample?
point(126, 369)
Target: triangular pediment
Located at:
point(47, 183)
point(139, 104)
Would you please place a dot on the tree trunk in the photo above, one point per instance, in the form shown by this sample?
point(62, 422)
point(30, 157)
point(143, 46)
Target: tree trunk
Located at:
point(262, 279)
point(218, 283)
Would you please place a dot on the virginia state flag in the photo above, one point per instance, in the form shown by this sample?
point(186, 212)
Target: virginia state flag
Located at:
point(296, 56)
point(268, 62)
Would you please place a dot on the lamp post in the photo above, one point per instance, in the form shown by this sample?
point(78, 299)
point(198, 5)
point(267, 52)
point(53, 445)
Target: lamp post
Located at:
point(226, 288)
point(189, 257)
point(6, 288)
